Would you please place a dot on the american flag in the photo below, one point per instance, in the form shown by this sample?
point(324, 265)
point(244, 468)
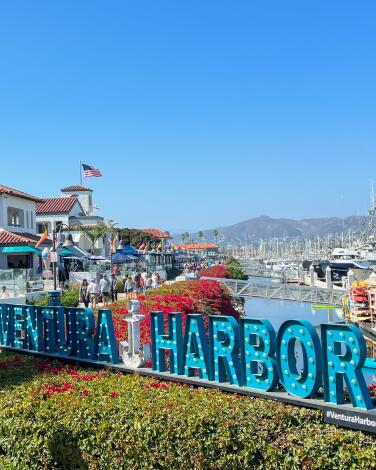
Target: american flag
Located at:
point(90, 171)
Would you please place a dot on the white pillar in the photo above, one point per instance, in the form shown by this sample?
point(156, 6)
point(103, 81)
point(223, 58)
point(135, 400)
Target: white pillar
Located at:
point(312, 275)
point(328, 278)
point(301, 274)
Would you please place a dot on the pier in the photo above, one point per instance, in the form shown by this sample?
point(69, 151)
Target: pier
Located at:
point(295, 293)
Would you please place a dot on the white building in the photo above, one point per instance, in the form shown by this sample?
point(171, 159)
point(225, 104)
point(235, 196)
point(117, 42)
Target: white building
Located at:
point(74, 208)
point(18, 229)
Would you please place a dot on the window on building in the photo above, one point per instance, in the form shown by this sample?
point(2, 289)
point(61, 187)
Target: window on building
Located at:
point(31, 220)
point(15, 217)
point(41, 227)
point(27, 219)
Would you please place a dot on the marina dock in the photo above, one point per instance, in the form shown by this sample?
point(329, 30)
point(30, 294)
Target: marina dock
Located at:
point(291, 292)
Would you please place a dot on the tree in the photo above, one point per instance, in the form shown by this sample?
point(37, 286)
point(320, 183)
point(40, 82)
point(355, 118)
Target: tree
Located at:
point(135, 237)
point(200, 234)
point(95, 233)
point(216, 233)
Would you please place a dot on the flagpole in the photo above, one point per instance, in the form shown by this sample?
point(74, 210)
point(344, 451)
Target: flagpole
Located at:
point(80, 172)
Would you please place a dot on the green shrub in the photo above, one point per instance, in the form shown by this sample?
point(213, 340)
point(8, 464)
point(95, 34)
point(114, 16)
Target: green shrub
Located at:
point(71, 297)
point(236, 271)
point(42, 301)
point(101, 420)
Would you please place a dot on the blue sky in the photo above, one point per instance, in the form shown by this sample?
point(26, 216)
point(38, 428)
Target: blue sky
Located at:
point(199, 113)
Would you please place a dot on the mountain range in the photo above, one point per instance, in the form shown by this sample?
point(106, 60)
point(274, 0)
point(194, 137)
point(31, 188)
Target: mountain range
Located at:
point(264, 227)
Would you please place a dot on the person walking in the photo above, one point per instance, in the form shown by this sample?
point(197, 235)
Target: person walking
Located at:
point(104, 284)
point(113, 288)
point(4, 293)
point(128, 288)
point(93, 290)
point(155, 280)
point(84, 294)
point(148, 282)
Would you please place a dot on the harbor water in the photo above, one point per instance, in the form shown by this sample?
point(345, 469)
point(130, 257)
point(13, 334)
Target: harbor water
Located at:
point(277, 312)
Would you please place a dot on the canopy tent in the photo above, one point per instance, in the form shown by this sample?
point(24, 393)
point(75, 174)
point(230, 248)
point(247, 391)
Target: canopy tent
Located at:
point(20, 249)
point(128, 250)
point(65, 252)
point(121, 258)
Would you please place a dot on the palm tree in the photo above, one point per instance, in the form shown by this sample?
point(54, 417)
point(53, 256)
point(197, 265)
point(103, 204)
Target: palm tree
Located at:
point(200, 234)
point(183, 237)
point(95, 233)
point(216, 233)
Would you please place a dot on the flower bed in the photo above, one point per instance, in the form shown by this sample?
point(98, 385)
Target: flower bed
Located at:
point(54, 416)
point(205, 297)
point(215, 271)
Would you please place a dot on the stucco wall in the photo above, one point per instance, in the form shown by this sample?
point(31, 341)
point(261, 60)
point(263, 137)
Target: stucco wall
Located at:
point(29, 224)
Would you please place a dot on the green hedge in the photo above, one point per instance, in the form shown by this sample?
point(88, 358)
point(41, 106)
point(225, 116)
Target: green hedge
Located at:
point(111, 421)
point(69, 298)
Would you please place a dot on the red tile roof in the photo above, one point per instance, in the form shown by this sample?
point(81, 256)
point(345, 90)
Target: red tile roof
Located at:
point(59, 205)
point(195, 246)
point(76, 187)
point(16, 193)
point(156, 232)
point(12, 238)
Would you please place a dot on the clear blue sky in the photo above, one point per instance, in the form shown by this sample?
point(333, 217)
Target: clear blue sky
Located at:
point(199, 113)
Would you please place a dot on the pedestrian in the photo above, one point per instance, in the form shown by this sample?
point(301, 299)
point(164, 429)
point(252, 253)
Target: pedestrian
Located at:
point(155, 280)
point(128, 288)
point(4, 293)
point(148, 282)
point(84, 294)
point(93, 290)
point(104, 284)
point(113, 288)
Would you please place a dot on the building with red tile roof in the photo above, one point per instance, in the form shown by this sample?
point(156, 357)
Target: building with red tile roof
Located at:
point(163, 235)
point(195, 246)
point(12, 238)
point(58, 205)
point(19, 194)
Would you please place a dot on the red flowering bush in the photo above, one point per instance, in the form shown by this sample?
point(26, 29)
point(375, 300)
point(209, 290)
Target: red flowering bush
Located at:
point(203, 296)
point(215, 271)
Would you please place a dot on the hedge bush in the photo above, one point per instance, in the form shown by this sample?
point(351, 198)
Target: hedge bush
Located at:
point(57, 417)
point(69, 298)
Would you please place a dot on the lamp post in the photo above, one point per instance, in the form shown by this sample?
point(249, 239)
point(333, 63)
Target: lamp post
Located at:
point(67, 243)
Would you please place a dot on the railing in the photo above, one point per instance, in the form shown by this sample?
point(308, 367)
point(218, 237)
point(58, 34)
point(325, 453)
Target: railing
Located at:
point(289, 292)
point(19, 281)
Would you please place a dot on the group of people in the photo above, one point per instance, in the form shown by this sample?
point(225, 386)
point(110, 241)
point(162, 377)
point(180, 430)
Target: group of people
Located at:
point(99, 289)
point(102, 288)
point(140, 282)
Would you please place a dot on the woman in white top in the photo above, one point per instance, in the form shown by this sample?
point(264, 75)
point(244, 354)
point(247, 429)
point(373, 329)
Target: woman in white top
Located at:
point(155, 280)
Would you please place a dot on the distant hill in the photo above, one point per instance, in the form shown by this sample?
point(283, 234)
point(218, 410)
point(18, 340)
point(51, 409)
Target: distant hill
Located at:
point(267, 227)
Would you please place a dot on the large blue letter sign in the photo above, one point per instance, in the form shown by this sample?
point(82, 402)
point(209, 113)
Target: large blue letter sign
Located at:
point(104, 342)
point(259, 367)
point(224, 347)
point(304, 383)
point(195, 350)
point(162, 342)
point(344, 352)
point(6, 324)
